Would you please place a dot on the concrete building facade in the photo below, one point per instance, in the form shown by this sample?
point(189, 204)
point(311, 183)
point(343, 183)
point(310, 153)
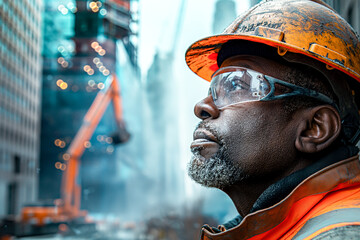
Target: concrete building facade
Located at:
point(349, 9)
point(20, 97)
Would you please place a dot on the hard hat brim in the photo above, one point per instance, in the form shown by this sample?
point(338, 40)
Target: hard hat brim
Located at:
point(201, 56)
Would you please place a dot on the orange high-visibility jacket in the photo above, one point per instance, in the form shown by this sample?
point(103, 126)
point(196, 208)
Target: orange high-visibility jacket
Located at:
point(327, 200)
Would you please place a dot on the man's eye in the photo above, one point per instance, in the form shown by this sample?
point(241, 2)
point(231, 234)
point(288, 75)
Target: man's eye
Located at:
point(232, 85)
point(236, 84)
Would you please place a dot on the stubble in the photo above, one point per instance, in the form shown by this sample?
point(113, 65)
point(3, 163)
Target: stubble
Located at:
point(218, 171)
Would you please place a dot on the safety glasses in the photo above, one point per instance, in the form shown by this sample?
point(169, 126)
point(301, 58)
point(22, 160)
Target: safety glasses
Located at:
point(234, 85)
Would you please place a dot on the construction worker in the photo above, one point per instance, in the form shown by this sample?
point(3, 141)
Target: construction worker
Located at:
point(280, 124)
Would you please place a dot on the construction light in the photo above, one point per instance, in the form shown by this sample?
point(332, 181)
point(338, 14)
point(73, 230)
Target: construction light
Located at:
point(103, 12)
point(58, 165)
point(100, 138)
point(106, 72)
point(66, 156)
point(62, 167)
point(63, 85)
point(87, 144)
point(96, 60)
point(92, 4)
point(102, 52)
point(62, 144)
point(91, 83)
point(87, 68)
point(110, 149)
point(64, 11)
point(90, 72)
point(60, 60)
point(101, 86)
point(102, 68)
point(64, 64)
point(59, 81)
point(94, 44)
point(57, 142)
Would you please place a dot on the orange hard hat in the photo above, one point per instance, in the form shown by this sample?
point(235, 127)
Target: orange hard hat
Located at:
point(301, 31)
point(307, 27)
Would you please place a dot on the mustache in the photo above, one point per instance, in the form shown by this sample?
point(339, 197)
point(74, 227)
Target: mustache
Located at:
point(206, 126)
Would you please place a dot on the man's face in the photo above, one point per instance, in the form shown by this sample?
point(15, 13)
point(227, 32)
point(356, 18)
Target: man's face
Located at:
point(251, 140)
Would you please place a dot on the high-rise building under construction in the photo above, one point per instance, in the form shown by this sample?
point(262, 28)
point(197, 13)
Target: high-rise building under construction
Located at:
point(80, 52)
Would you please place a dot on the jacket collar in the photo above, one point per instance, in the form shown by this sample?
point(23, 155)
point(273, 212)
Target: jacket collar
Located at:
point(316, 181)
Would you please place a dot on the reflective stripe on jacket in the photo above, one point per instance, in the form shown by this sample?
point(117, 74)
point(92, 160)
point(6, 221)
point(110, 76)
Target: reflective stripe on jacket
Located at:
point(327, 200)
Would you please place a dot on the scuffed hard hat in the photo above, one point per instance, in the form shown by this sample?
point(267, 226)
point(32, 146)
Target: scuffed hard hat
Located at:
point(301, 31)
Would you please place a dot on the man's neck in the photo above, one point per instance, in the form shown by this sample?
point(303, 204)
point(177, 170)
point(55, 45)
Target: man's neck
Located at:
point(245, 194)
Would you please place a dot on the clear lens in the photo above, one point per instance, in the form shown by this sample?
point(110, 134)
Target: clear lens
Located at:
point(231, 85)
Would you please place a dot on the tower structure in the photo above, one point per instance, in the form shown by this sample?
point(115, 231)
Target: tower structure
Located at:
point(79, 53)
point(225, 13)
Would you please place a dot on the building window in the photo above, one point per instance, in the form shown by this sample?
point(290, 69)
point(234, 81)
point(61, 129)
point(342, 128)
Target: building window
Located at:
point(11, 199)
point(350, 14)
point(17, 164)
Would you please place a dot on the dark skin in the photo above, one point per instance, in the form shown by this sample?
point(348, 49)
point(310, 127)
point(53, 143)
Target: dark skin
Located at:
point(262, 139)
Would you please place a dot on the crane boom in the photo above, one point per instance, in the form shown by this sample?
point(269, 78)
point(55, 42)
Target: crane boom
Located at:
point(67, 209)
point(70, 190)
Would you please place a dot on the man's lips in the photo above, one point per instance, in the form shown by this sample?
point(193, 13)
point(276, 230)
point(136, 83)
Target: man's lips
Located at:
point(202, 143)
point(203, 136)
point(206, 141)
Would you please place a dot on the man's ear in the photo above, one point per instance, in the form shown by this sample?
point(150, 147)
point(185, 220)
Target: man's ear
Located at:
point(318, 129)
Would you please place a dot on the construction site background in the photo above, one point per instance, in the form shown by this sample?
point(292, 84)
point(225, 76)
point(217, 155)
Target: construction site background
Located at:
point(55, 57)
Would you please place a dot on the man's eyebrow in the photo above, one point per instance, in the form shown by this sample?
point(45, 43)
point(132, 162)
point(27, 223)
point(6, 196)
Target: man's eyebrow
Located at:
point(246, 66)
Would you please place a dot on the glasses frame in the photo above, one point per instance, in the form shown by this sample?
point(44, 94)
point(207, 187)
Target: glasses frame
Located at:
point(296, 90)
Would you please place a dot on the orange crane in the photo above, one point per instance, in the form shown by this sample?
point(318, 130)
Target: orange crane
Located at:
point(67, 209)
point(71, 191)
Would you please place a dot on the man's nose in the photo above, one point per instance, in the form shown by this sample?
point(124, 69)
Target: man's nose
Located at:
point(206, 108)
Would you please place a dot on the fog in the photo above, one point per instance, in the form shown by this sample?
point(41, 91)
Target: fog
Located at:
point(138, 189)
point(169, 92)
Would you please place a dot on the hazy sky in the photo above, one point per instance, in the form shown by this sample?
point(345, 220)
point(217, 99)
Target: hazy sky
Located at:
point(158, 21)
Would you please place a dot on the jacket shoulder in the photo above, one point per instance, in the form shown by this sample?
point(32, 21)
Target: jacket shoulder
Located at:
point(340, 233)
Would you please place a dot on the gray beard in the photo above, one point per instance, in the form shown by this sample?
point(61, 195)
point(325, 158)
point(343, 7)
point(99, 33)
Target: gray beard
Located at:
point(217, 172)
